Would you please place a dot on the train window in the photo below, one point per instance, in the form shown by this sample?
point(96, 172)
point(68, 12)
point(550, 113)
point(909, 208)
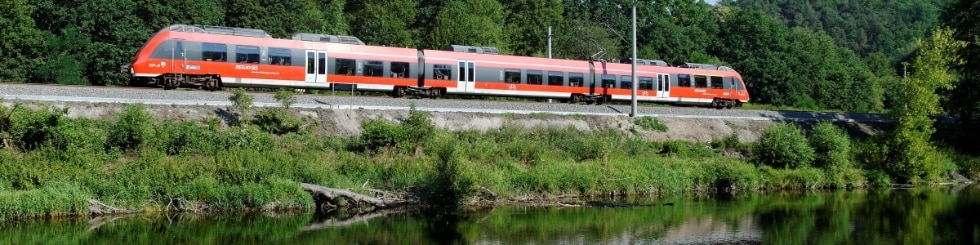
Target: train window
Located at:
point(700, 81)
point(625, 82)
point(534, 77)
point(717, 82)
point(556, 78)
point(246, 54)
point(646, 83)
point(576, 79)
point(728, 80)
point(399, 69)
point(512, 75)
point(683, 80)
point(214, 52)
point(345, 66)
point(310, 62)
point(737, 83)
point(472, 71)
point(442, 72)
point(280, 56)
point(322, 66)
point(609, 81)
point(373, 68)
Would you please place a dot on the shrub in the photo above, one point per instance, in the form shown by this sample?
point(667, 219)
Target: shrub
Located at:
point(242, 102)
point(380, 133)
point(133, 128)
point(417, 128)
point(32, 129)
point(277, 121)
point(285, 97)
point(452, 180)
point(832, 145)
point(782, 146)
point(650, 124)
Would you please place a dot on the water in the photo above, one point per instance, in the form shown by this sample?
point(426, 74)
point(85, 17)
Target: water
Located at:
point(937, 215)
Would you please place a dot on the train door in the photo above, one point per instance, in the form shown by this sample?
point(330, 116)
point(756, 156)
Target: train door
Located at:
point(178, 58)
point(663, 85)
point(465, 82)
point(316, 66)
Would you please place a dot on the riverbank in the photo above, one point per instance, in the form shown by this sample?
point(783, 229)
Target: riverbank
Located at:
point(55, 164)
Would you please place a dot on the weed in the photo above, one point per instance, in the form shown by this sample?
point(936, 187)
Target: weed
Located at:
point(650, 124)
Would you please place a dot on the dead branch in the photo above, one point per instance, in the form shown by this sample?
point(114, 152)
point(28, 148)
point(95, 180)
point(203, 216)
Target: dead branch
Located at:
point(98, 208)
point(333, 194)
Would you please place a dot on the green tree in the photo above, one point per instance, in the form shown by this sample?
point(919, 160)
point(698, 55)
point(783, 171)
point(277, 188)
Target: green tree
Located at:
point(476, 23)
point(242, 102)
point(527, 25)
point(965, 99)
point(385, 23)
point(912, 157)
point(20, 41)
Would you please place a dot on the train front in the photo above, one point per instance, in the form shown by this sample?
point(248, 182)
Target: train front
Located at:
point(144, 71)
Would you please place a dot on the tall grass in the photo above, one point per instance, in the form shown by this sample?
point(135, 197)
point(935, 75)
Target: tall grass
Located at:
point(51, 169)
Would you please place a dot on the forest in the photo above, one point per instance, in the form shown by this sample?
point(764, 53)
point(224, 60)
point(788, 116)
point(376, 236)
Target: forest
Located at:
point(815, 55)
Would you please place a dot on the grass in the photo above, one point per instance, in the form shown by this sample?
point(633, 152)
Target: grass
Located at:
point(52, 164)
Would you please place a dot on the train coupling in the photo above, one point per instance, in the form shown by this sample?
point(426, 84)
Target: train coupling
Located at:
point(128, 69)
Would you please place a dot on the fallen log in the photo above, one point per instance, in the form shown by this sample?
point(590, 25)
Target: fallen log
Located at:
point(98, 208)
point(333, 194)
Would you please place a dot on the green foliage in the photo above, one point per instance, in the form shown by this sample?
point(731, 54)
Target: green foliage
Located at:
point(20, 42)
point(418, 128)
point(286, 97)
point(133, 127)
point(30, 130)
point(277, 121)
point(650, 124)
point(782, 146)
point(964, 100)
point(380, 133)
point(452, 180)
point(475, 22)
point(383, 22)
point(911, 156)
point(242, 102)
point(831, 145)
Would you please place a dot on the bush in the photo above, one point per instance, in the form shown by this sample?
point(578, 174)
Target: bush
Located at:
point(285, 97)
point(782, 146)
point(832, 145)
point(417, 128)
point(242, 102)
point(650, 124)
point(277, 121)
point(452, 180)
point(380, 133)
point(133, 128)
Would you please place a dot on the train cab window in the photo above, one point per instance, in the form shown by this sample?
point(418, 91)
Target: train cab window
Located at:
point(373, 68)
point(214, 52)
point(399, 69)
point(556, 78)
point(609, 81)
point(700, 81)
point(246, 54)
point(534, 77)
point(442, 72)
point(683, 80)
point(280, 56)
point(345, 67)
point(737, 83)
point(728, 80)
point(646, 83)
point(512, 75)
point(626, 82)
point(717, 82)
point(576, 79)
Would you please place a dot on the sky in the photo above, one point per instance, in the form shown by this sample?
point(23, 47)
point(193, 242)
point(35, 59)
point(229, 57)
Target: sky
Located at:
point(711, 1)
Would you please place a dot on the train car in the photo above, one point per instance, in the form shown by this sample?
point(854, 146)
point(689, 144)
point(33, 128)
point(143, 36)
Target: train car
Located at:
point(213, 57)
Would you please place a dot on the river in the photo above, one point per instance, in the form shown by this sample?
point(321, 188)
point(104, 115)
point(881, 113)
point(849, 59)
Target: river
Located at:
point(934, 215)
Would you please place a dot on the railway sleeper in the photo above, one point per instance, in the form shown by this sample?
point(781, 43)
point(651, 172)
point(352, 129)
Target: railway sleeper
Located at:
point(423, 92)
point(590, 98)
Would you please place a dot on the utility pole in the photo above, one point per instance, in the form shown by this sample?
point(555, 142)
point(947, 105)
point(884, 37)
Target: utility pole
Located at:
point(549, 42)
point(633, 87)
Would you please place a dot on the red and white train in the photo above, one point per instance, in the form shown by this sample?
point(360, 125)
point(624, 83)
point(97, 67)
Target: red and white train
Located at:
point(213, 57)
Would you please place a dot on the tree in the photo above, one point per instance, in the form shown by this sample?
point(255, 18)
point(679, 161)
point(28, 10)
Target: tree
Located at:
point(475, 23)
point(965, 99)
point(528, 22)
point(911, 156)
point(20, 41)
point(384, 22)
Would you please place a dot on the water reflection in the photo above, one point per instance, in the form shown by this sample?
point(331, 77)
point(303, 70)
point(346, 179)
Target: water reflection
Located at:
point(945, 215)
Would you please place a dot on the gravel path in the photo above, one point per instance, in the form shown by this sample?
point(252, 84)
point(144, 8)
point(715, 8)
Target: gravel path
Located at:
point(47, 92)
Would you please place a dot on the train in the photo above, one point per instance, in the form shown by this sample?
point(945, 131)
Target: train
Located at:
point(213, 57)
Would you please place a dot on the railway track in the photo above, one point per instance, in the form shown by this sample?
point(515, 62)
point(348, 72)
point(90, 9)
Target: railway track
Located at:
point(152, 95)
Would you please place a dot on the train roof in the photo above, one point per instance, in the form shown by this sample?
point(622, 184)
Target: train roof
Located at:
point(220, 30)
point(314, 37)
